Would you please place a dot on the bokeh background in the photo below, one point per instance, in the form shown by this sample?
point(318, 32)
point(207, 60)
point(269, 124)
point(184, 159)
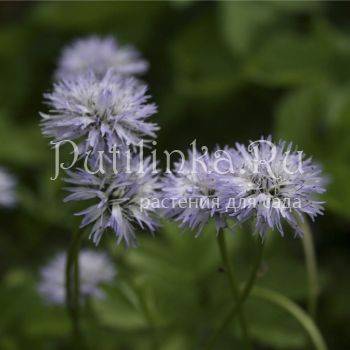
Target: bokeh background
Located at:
point(220, 72)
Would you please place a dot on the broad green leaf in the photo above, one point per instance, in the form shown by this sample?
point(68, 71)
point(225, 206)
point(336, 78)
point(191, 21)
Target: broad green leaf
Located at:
point(118, 310)
point(21, 145)
point(242, 22)
point(291, 59)
point(245, 24)
point(317, 120)
point(203, 67)
point(273, 327)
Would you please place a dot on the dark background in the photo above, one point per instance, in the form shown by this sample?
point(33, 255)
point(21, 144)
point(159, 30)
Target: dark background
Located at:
point(220, 72)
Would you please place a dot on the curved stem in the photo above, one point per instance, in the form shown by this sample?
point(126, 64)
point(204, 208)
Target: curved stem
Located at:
point(73, 282)
point(296, 311)
point(234, 288)
point(243, 296)
point(311, 267)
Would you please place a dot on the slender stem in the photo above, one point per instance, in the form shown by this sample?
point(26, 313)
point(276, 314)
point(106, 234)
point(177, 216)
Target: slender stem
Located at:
point(296, 311)
point(311, 267)
point(68, 279)
point(234, 288)
point(72, 282)
point(150, 319)
point(253, 275)
point(76, 288)
point(243, 296)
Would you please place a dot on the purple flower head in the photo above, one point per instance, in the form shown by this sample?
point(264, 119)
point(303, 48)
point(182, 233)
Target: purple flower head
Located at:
point(272, 183)
point(99, 54)
point(99, 114)
point(7, 189)
point(95, 268)
point(189, 192)
point(118, 197)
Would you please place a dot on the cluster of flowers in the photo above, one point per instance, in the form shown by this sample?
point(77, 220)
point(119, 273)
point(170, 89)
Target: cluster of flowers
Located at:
point(97, 102)
point(100, 105)
point(95, 268)
point(260, 187)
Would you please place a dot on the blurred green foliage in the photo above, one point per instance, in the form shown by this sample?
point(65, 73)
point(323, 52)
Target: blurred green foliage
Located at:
point(220, 72)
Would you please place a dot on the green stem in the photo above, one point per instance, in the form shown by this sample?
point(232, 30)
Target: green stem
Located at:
point(243, 296)
point(150, 319)
point(76, 288)
point(311, 267)
point(72, 282)
point(299, 314)
point(234, 288)
point(253, 275)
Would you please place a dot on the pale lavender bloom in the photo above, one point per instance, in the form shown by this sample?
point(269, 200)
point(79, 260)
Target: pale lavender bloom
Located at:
point(99, 54)
point(189, 192)
point(98, 114)
point(7, 189)
point(119, 198)
point(95, 268)
point(272, 183)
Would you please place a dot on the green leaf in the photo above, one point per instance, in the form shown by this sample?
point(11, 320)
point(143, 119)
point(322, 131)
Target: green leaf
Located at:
point(245, 24)
point(39, 320)
point(317, 120)
point(46, 202)
point(242, 22)
point(203, 68)
point(120, 308)
point(299, 118)
point(295, 311)
point(175, 342)
point(21, 145)
point(291, 59)
point(47, 321)
point(270, 326)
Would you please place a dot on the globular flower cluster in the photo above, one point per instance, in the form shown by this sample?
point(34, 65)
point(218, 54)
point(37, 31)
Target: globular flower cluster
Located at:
point(99, 113)
point(119, 191)
point(98, 104)
point(99, 54)
point(272, 184)
point(193, 191)
point(267, 183)
point(7, 189)
point(95, 268)
point(118, 198)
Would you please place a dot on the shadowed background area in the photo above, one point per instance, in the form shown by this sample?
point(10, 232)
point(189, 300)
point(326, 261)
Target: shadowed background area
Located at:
point(220, 72)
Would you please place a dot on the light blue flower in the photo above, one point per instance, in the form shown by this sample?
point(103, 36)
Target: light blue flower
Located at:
point(98, 114)
point(99, 54)
point(190, 193)
point(95, 268)
point(271, 184)
point(118, 198)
